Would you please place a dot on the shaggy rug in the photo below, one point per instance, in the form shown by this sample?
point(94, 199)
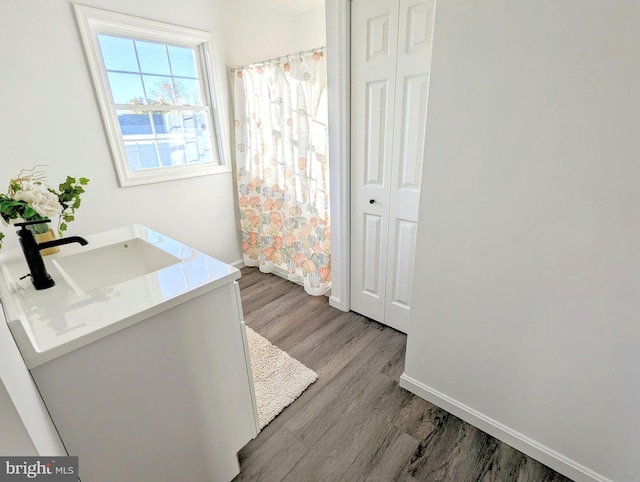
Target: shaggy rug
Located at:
point(278, 378)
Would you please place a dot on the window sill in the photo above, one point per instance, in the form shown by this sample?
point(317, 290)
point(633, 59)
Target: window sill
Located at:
point(128, 179)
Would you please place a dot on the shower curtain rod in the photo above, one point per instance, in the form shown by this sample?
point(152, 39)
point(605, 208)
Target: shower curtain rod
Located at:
point(279, 59)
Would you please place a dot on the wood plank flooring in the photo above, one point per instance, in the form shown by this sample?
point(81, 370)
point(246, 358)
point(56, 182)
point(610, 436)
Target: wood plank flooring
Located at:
point(356, 423)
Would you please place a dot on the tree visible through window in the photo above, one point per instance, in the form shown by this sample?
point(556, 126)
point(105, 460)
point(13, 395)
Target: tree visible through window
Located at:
point(155, 94)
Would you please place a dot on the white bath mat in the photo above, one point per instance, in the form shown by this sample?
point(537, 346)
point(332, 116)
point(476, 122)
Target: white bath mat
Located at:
point(278, 378)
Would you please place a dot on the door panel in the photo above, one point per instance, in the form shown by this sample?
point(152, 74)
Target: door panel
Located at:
point(412, 88)
point(402, 248)
point(418, 18)
point(378, 39)
point(391, 42)
point(412, 132)
point(405, 241)
point(376, 132)
point(374, 32)
point(372, 241)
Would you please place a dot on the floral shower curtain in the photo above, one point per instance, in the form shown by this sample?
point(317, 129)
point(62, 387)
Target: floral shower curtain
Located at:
point(283, 169)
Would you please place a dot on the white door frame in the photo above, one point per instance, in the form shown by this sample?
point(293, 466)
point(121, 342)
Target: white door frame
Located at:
point(338, 25)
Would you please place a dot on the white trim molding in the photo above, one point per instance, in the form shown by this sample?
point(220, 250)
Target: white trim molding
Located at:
point(524, 444)
point(338, 67)
point(239, 264)
point(93, 22)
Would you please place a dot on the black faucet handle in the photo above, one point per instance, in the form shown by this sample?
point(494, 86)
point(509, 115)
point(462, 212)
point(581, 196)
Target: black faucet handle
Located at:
point(29, 223)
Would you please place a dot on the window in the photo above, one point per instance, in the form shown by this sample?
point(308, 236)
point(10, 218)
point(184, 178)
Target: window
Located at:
point(156, 95)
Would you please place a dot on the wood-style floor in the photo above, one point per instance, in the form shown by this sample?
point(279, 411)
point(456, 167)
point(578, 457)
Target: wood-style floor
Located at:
point(356, 423)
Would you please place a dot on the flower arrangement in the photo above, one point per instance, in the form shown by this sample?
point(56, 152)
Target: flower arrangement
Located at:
point(28, 198)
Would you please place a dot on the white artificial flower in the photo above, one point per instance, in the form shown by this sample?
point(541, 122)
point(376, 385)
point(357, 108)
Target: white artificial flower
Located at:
point(42, 201)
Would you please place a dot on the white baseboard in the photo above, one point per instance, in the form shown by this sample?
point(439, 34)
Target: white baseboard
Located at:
point(338, 303)
point(524, 444)
point(238, 264)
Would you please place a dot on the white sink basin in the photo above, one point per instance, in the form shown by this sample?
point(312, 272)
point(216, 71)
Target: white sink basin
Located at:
point(95, 269)
point(121, 277)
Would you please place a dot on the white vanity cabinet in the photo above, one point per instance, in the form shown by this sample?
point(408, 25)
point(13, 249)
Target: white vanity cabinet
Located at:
point(164, 391)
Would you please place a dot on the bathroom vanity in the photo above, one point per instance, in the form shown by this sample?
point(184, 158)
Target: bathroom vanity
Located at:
point(139, 352)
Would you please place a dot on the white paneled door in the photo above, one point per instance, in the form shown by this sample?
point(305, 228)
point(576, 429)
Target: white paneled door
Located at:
point(391, 44)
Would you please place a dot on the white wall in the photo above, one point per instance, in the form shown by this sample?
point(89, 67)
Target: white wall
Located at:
point(254, 32)
point(25, 426)
point(51, 117)
point(14, 438)
point(257, 31)
point(309, 30)
point(526, 308)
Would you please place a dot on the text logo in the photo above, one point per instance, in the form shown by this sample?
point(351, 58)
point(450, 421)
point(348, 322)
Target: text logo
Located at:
point(50, 469)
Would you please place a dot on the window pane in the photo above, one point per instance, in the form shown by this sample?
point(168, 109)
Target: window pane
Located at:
point(172, 153)
point(142, 155)
point(126, 88)
point(159, 90)
point(133, 157)
point(181, 137)
point(160, 123)
point(187, 140)
point(183, 63)
point(196, 132)
point(195, 123)
point(197, 150)
point(173, 121)
point(134, 124)
point(152, 58)
point(187, 92)
point(204, 136)
point(118, 53)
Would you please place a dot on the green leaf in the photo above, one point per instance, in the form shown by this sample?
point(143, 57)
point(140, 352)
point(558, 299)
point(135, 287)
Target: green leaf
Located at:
point(68, 195)
point(29, 212)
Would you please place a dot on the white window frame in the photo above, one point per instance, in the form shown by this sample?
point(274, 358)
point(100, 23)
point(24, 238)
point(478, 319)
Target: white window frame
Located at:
point(91, 23)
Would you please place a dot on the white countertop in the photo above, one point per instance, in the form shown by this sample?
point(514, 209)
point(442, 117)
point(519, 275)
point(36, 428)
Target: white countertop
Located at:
point(48, 323)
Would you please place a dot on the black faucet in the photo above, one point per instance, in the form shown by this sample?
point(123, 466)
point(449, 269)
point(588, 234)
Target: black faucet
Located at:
point(31, 249)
